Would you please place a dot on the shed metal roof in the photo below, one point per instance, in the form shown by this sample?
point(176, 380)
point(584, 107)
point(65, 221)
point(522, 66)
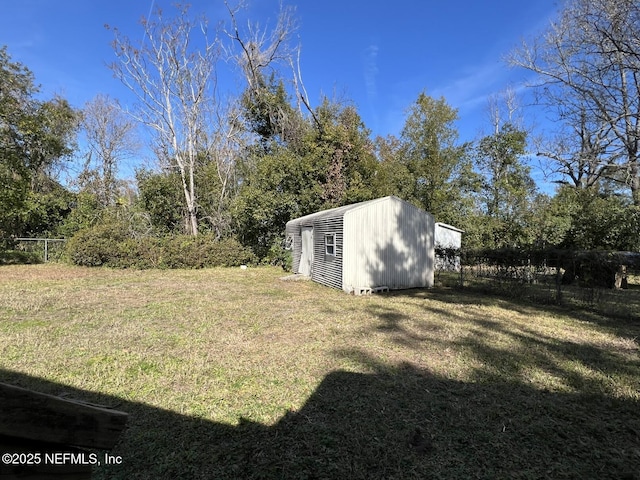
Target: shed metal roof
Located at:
point(338, 211)
point(449, 227)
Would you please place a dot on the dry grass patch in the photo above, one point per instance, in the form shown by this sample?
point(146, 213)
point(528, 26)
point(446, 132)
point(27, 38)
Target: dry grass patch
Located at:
point(231, 373)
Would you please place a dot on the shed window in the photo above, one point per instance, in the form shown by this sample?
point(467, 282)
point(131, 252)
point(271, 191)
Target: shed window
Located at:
point(330, 244)
point(288, 242)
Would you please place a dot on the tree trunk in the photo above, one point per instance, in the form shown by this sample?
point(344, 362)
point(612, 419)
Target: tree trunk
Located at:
point(193, 223)
point(635, 184)
point(188, 188)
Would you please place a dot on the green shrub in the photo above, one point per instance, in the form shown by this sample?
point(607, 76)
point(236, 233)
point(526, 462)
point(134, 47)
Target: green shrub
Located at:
point(107, 245)
point(279, 256)
point(17, 257)
point(205, 251)
point(96, 246)
point(142, 253)
point(228, 253)
point(181, 251)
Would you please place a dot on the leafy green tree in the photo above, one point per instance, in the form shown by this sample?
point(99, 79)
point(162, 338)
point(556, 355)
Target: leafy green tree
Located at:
point(46, 210)
point(592, 220)
point(273, 182)
point(268, 113)
point(550, 219)
point(275, 188)
point(342, 146)
point(507, 189)
point(86, 212)
point(160, 195)
point(391, 175)
point(328, 163)
point(35, 136)
point(426, 165)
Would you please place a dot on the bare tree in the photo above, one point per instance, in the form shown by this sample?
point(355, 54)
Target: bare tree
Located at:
point(588, 66)
point(260, 49)
point(222, 148)
point(173, 75)
point(504, 108)
point(580, 152)
point(261, 52)
point(109, 135)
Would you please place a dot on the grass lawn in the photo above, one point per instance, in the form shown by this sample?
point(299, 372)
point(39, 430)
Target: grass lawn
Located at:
point(230, 373)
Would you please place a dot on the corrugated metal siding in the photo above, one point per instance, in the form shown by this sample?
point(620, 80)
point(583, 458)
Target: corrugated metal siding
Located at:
point(294, 226)
point(388, 243)
point(327, 269)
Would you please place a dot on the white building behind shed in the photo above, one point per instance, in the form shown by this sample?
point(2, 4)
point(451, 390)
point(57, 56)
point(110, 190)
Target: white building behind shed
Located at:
point(448, 238)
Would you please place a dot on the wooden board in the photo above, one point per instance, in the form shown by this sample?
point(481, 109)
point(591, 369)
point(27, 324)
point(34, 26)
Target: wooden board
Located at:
point(41, 417)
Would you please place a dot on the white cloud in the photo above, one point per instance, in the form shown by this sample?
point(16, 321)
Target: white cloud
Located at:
point(371, 71)
point(473, 88)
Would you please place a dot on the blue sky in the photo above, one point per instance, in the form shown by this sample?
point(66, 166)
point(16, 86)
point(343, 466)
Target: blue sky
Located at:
point(377, 54)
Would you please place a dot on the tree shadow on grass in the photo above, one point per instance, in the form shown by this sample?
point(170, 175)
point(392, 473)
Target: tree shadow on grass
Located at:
point(514, 350)
point(401, 422)
point(461, 298)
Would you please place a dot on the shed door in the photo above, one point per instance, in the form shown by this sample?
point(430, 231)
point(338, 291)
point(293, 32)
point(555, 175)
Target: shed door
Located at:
point(306, 255)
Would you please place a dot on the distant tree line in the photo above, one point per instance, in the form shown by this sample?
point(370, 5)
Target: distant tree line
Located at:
point(236, 167)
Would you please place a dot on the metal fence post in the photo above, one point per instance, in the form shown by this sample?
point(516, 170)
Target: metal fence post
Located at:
point(46, 243)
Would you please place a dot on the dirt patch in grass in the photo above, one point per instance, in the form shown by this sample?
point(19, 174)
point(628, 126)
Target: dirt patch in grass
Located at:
point(230, 373)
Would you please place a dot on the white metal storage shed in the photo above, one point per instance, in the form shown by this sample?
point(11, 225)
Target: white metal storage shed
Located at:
point(380, 244)
point(450, 238)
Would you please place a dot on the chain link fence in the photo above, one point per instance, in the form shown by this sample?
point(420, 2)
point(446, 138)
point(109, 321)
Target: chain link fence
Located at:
point(605, 281)
point(44, 249)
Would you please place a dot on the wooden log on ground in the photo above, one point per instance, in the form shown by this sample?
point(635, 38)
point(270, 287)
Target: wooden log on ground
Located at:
point(40, 417)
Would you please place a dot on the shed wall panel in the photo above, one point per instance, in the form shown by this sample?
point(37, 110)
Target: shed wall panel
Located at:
point(388, 243)
point(327, 269)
